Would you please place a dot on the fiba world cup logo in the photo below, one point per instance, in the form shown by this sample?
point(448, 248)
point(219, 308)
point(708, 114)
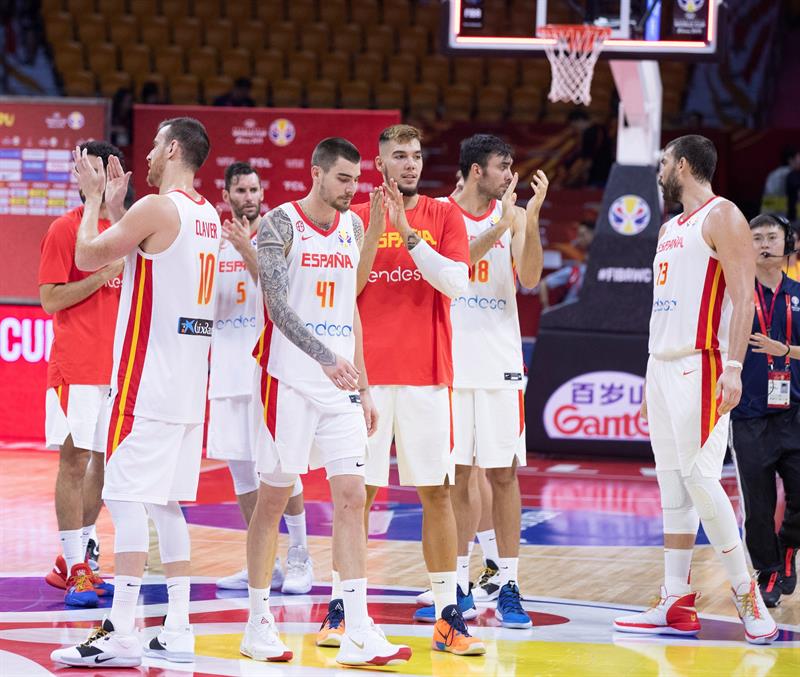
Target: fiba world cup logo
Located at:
point(75, 120)
point(629, 215)
point(281, 132)
point(344, 237)
point(691, 6)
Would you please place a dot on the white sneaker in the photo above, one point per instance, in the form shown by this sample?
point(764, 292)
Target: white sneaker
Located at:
point(759, 628)
point(487, 587)
point(299, 571)
point(105, 647)
point(261, 641)
point(669, 615)
point(237, 581)
point(172, 645)
point(369, 646)
point(277, 575)
point(425, 598)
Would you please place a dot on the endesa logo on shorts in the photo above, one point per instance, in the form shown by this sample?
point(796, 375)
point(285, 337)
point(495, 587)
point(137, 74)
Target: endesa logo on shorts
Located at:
point(240, 322)
point(195, 326)
point(329, 329)
point(600, 405)
point(479, 303)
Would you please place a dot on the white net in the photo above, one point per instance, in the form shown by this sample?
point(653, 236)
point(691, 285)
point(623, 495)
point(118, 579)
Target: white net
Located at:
point(572, 58)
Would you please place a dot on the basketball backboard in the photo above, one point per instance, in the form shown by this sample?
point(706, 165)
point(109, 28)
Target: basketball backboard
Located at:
point(640, 29)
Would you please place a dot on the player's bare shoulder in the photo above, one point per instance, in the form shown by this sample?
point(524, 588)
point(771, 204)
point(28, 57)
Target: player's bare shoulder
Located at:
point(724, 220)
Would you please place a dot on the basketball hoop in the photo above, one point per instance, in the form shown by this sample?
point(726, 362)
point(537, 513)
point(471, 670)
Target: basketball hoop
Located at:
point(572, 58)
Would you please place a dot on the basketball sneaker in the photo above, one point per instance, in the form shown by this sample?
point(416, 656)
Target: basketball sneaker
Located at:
point(466, 606)
point(57, 577)
point(104, 648)
point(332, 628)
point(277, 575)
point(172, 645)
point(369, 646)
point(79, 589)
point(299, 572)
point(789, 573)
point(261, 641)
point(769, 583)
point(93, 554)
point(509, 608)
point(488, 586)
point(237, 581)
point(669, 615)
point(425, 598)
point(450, 634)
point(759, 628)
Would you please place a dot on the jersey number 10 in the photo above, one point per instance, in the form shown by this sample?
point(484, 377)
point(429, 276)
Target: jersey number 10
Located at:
point(208, 264)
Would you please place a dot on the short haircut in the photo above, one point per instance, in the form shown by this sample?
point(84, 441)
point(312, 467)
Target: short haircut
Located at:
point(329, 150)
point(191, 137)
point(103, 150)
point(763, 220)
point(699, 153)
point(478, 148)
point(237, 169)
point(400, 134)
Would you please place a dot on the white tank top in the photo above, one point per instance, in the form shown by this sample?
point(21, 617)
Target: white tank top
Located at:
point(322, 291)
point(238, 320)
point(487, 344)
point(691, 309)
point(165, 320)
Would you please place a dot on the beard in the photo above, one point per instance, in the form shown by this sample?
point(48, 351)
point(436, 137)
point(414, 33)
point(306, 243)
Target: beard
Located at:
point(671, 189)
point(405, 192)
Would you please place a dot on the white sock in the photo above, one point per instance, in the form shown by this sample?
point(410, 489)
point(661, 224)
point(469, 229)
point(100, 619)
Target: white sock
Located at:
point(123, 608)
point(488, 542)
point(462, 569)
point(86, 534)
point(296, 526)
point(677, 564)
point(508, 567)
point(178, 603)
point(354, 596)
point(470, 548)
point(259, 602)
point(443, 587)
point(336, 585)
point(74, 553)
point(732, 558)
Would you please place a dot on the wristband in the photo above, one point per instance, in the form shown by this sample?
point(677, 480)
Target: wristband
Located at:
point(788, 350)
point(733, 363)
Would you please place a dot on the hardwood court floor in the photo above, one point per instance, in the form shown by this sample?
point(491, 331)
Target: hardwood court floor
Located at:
point(591, 534)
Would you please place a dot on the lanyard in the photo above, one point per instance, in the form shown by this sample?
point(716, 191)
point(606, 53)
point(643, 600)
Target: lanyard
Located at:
point(766, 326)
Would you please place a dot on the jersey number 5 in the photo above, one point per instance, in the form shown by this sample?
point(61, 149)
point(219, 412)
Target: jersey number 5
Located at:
point(661, 280)
point(208, 264)
point(325, 292)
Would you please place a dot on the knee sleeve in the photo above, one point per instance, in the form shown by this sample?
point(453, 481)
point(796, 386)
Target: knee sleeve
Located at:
point(244, 475)
point(173, 533)
point(279, 479)
point(714, 508)
point(131, 531)
point(298, 487)
point(680, 516)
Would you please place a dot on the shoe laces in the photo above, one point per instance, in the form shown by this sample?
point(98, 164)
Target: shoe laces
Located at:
point(748, 603)
point(83, 581)
point(457, 624)
point(510, 599)
point(485, 576)
point(97, 633)
point(334, 617)
point(295, 563)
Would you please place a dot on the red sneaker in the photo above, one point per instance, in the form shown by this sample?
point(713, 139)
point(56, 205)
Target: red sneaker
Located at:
point(57, 577)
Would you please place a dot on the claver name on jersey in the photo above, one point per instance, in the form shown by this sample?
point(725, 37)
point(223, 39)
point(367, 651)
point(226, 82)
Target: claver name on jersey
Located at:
point(205, 229)
point(317, 260)
point(393, 240)
point(232, 266)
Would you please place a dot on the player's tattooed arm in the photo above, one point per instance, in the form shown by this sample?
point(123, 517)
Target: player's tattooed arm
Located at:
point(358, 229)
point(274, 242)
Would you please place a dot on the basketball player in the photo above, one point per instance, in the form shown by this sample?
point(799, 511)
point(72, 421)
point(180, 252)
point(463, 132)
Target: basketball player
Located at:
point(487, 354)
point(703, 276)
point(237, 323)
point(414, 260)
point(83, 306)
point(314, 401)
point(170, 242)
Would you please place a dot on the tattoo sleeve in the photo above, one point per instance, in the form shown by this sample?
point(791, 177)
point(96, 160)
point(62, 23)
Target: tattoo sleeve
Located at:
point(358, 229)
point(412, 241)
point(274, 241)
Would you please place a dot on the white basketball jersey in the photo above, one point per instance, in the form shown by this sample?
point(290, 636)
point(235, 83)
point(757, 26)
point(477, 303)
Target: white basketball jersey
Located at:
point(322, 291)
point(165, 320)
point(691, 309)
point(487, 345)
point(238, 320)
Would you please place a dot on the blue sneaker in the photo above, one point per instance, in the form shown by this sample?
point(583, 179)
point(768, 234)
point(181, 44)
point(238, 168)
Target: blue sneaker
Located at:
point(509, 608)
point(466, 606)
point(79, 590)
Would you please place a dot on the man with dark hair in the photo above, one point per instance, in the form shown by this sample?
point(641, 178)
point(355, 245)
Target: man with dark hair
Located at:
point(239, 96)
point(420, 253)
point(765, 428)
point(238, 320)
point(488, 414)
point(156, 405)
point(315, 409)
point(700, 323)
point(84, 307)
